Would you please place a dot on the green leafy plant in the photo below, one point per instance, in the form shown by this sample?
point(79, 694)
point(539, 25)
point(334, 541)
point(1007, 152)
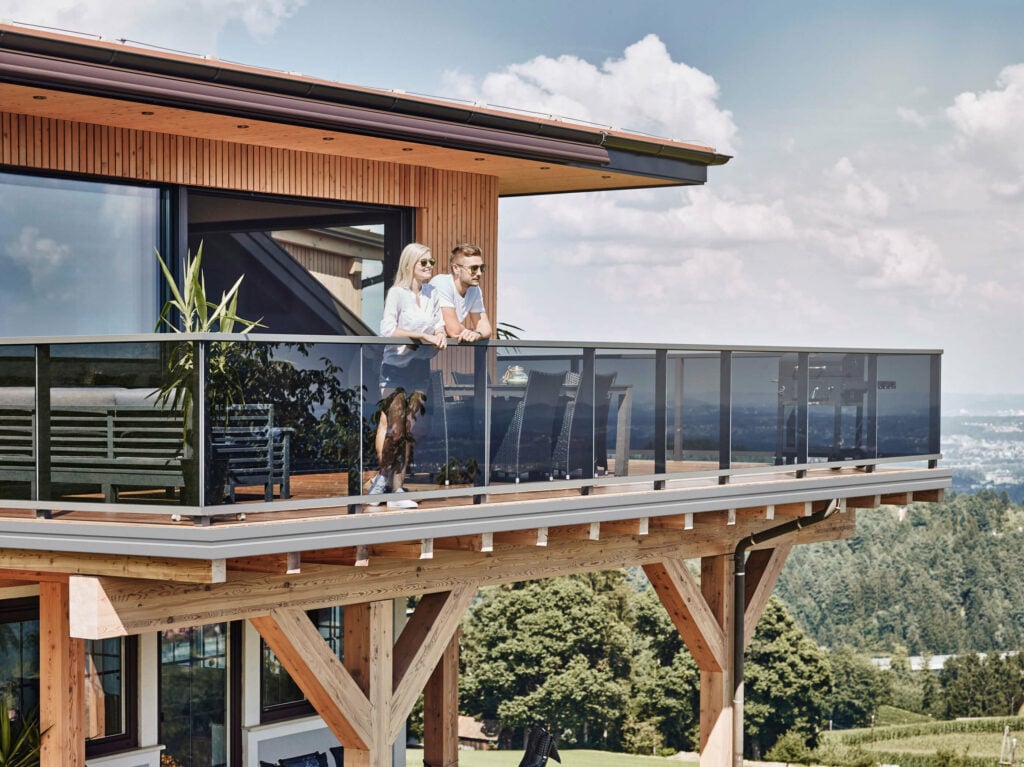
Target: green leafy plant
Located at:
point(196, 313)
point(19, 740)
point(506, 331)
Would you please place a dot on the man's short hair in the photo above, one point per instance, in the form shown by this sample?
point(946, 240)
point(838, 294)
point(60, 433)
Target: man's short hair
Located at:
point(465, 249)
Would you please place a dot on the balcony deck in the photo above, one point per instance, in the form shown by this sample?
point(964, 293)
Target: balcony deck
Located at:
point(683, 438)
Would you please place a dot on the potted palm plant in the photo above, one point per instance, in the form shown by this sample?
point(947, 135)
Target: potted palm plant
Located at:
point(19, 739)
point(189, 310)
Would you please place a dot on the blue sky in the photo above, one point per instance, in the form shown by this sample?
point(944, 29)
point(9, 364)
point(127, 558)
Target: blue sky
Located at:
point(874, 198)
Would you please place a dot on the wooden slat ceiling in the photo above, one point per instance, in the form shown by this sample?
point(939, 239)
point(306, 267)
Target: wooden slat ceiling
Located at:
point(516, 176)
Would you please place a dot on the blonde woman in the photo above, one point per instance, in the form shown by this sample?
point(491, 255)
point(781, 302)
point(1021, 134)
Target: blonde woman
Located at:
point(411, 310)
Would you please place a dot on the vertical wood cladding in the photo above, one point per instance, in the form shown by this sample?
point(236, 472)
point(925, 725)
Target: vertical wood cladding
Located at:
point(451, 206)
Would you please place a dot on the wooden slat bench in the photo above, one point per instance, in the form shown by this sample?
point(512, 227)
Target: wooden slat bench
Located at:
point(137, 444)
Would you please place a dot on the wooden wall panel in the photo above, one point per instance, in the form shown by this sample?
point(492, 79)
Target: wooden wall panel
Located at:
point(450, 206)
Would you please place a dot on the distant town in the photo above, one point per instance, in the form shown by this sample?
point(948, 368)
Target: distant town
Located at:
point(983, 442)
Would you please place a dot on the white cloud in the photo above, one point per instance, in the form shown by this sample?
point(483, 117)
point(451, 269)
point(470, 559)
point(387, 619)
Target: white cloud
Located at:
point(913, 117)
point(988, 129)
point(188, 25)
point(40, 257)
point(642, 91)
point(858, 195)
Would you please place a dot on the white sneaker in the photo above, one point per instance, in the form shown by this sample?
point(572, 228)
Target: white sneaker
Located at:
point(378, 486)
point(402, 503)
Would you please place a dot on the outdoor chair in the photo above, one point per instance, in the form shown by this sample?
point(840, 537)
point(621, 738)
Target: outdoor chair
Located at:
point(528, 445)
point(582, 444)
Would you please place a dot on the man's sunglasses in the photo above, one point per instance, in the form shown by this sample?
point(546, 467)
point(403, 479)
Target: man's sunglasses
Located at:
point(474, 268)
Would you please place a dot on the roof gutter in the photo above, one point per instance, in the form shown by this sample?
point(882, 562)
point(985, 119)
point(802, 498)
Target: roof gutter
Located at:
point(103, 81)
point(739, 610)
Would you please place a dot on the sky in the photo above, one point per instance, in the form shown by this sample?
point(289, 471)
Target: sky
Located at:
point(874, 198)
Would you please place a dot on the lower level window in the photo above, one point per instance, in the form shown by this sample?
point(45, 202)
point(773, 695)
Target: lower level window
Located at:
point(194, 696)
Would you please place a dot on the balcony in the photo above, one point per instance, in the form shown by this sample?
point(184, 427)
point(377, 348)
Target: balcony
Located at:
point(267, 442)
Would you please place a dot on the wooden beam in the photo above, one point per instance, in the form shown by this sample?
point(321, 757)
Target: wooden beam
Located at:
point(482, 542)
point(441, 711)
point(61, 681)
point(153, 568)
point(679, 593)
point(423, 549)
point(896, 499)
point(929, 496)
point(27, 577)
point(106, 607)
point(790, 510)
point(585, 532)
point(421, 645)
point(537, 537)
point(640, 526)
point(317, 671)
point(762, 572)
point(268, 563)
point(716, 586)
point(864, 502)
point(345, 556)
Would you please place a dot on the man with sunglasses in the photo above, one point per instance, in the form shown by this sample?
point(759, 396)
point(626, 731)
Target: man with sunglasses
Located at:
point(460, 297)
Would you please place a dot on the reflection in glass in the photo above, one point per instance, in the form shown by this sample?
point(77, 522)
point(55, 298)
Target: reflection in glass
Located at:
point(904, 401)
point(104, 688)
point(694, 410)
point(77, 257)
point(194, 695)
point(19, 664)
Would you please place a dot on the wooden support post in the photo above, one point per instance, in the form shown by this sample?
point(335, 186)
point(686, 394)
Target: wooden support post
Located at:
point(716, 687)
point(441, 711)
point(369, 649)
point(61, 681)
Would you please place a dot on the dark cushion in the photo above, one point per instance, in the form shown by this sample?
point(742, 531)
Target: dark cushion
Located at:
point(316, 759)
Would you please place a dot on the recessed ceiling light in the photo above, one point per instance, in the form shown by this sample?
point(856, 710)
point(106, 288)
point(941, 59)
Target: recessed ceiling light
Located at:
point(328, 138)
point(545, 167)
point(241, 125)
point(406, 148)
point(39, 98)
point(479, 159)
point(147, 113)
point(605, 176)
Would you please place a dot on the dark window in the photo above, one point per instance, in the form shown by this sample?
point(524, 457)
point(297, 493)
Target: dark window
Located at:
point(310, 266)
point(194, 695)
point(110, 678)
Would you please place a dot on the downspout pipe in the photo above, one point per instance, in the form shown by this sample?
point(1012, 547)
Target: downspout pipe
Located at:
point(739, 609)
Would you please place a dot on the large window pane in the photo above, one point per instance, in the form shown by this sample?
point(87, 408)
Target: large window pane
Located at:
point(77, 257)
point(105, 699)
point(194, 695)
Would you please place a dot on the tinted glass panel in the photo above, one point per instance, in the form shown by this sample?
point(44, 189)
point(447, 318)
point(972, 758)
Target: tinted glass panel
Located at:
point(694, 410)
point(77, 257)
point(104, 688)
point(194, 695)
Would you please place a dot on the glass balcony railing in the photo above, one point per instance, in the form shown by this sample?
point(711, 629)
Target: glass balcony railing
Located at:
point(196, 422)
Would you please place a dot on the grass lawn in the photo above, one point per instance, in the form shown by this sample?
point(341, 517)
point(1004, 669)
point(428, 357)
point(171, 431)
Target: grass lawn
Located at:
point(984, 744)
point(570, 758)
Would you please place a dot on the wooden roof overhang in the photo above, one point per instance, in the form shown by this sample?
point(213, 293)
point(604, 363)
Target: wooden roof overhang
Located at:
point(117, 85)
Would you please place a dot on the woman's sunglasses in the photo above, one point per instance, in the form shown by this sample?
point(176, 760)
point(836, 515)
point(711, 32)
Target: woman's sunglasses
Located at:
point(428, 261)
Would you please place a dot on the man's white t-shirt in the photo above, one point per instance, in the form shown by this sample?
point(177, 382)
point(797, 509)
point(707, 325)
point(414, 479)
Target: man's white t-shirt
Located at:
point(448, 296)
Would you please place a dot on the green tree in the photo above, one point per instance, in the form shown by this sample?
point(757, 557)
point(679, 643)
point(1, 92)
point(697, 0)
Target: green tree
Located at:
point(859, 688)
point(556, 652)
point(666, 681)
point(788, 682)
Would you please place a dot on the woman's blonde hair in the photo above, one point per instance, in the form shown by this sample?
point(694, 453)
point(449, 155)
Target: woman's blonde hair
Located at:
point(411, 253)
